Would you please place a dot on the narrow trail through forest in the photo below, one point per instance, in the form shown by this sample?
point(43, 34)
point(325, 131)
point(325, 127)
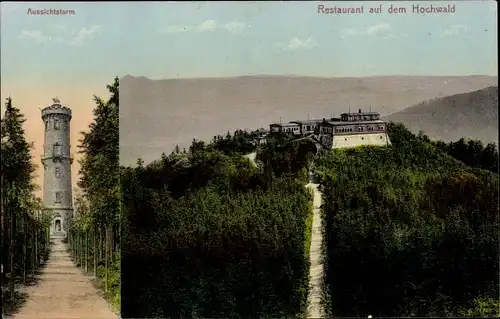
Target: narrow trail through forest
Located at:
point(315, 309)
point(63, 292)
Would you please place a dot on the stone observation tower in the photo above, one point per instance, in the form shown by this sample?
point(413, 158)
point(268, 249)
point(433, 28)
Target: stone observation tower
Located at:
point(57, 160)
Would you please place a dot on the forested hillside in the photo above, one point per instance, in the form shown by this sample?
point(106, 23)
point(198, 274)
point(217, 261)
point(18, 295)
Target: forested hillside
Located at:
point(410, 230)
point(208, 234)
point(472, 115)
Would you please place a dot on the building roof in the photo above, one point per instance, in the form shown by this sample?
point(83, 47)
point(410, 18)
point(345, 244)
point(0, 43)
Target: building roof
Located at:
point(307, 121)
point(285, 124)
point(360, 113)
point(355, 122)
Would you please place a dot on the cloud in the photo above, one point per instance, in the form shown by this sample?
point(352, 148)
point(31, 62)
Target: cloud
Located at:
point(377, 29)
point(63, 30)
point(295, 44)
point(206, 26)
point(36, 36)
point(235, 27)
point(175, 29)
point(455, 30)
point(62, 34)
point(83, 35)
point(383, 30)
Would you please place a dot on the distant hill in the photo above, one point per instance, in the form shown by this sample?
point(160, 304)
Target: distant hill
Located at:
point(470, 115)
point(155, 115)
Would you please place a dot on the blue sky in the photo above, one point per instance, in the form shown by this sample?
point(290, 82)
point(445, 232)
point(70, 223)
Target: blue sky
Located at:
point(168, 40)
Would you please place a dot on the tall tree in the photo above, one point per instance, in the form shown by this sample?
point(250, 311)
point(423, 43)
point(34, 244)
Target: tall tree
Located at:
point(100, 163)
point(16, 168)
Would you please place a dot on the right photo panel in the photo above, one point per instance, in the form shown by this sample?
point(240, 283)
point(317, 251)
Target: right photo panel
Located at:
point(311, 160)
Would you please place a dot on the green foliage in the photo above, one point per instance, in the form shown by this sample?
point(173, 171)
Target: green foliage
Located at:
point(283, 155)
point(114, 279)
point(409, 230)
point(97, 207)
point(308, 227)
point(241, 142)
point(16, 164)
point(484, 307)
point(472, 153)
point(24, 224)
point(207, 235)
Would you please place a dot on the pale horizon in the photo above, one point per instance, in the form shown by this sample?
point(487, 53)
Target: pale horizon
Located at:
point(304, 76)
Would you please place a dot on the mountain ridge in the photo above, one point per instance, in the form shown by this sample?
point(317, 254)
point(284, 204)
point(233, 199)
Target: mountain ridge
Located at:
point(470, 115)
point(155, 115)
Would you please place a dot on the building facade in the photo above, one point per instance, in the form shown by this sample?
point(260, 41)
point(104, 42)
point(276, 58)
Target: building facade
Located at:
point(57, 161)
point(348, 130)
point(295, 127)
point(354, 129)
point(289, 128)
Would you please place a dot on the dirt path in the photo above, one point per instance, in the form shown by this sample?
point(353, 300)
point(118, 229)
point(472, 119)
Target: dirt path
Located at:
point(315, 309)
point(63, 292)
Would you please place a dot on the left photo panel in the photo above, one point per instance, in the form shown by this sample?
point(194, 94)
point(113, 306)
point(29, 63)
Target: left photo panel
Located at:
point(60, 195)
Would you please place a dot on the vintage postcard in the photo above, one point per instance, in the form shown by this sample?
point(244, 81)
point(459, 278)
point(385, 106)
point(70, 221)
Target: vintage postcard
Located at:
point(311, 159)
point(249, 159)
point(60, 245)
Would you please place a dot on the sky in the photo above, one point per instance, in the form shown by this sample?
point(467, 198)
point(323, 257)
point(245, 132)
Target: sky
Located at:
point(74, 56)
point(190, 39)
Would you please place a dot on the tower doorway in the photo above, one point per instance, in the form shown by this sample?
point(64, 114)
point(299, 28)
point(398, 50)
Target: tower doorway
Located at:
point(57, 225)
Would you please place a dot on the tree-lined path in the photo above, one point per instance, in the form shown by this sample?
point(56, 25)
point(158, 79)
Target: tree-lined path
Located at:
point(63, 291)
point(40, 280)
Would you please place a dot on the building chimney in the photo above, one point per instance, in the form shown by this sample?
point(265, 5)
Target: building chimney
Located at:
point(359, 110)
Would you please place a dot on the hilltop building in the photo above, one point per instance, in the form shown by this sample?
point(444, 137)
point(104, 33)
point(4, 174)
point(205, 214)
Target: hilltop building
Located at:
point(350, 130)
point(57, 160)
point(354, 129)
point(296, 127)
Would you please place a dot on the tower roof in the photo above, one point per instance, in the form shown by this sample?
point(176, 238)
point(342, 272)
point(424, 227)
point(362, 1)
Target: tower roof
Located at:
point(56, 108)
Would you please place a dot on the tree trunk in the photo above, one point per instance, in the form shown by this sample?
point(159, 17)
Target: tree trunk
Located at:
point(2, 212)
point(99, 244)
point(25, 245)
point(32, 248)
point(36, 248)
point(86, 252)
point(12, 242)
point(94, 252)
point(79, 248)
point(111, 244)
point(106, 259)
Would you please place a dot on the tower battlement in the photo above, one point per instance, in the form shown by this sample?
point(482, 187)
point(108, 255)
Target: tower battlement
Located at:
point(56, 109)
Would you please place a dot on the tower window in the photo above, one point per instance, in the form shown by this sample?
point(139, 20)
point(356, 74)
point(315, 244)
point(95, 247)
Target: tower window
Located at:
point(58, 197)
point(58, 172)
point(46, 124)
point(56, 125)
point(57, 149)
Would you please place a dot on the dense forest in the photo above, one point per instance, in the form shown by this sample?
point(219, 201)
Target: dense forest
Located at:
point(208, 234)
point(410, 229)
